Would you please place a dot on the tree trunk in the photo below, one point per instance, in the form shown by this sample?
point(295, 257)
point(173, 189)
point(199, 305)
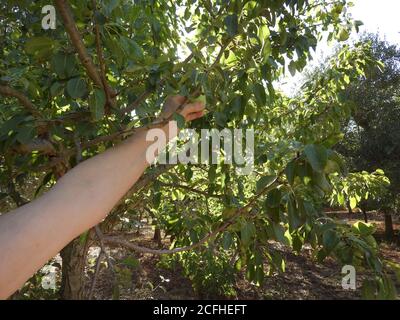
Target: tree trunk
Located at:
point(157, 236)
point(389, 232)
point(73, 259)
point(365, 213)
point(349, 207)
point(73, 255)
point(73, 268)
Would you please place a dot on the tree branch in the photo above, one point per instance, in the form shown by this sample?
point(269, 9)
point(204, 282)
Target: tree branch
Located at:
point(110, 94)
point(103, 251)
point(180, 186)
point(76, 40)
point(10, 92)
point(40, 145)
point(125, 243)
point(157, 124)
point(130, 245)
point(147, 93)
point(15, 195)
point(96, 274)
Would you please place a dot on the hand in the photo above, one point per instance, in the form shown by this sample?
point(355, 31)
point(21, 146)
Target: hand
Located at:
point(190, 111)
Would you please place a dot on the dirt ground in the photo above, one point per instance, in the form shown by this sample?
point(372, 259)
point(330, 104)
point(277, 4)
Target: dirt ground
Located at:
point(303, 279)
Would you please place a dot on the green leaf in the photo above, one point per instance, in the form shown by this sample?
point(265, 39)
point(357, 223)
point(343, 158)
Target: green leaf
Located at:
point(292, 68)
point(231, 23)
point(273, 198)
point(317, 156)
point(56, 89)
point(157, 199)
point(212, 173)
point(237, 107)
point(227, 240)
point(293, 215)
point(290, 172)
point(45, 181)
point(278, 261)
point(259, 276)
point(41, 47)
point(247, 231)
point(220, 118)
point(263, 33)
point(76, 88)
point(358, 24)
point(353, 202)
point(267, 50)
point(264, 182)
point(202, 98)
point(282, 235)
point(100, 18)
point(180, 120)
point(320, 180)
point(109, 6)
point(188, 174)
point(321, 255)
point(97, 102)
point(362, 228)
point(238, 264)
point(335, 157)
point(260, 94)
point(25, 134)
point(343, 34)
point(297, 243)
point(330, 240)
point(131, 49)
point(63, 64)
point(11, 124)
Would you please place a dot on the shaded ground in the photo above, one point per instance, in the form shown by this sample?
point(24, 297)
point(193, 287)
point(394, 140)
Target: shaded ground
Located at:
point(303, 279)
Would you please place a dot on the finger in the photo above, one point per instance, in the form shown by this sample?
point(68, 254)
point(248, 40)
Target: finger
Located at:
point(194, 116)
point(194, 107)
point(179, 99)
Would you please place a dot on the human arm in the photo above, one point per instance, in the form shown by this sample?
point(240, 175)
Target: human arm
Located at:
point(34, 233)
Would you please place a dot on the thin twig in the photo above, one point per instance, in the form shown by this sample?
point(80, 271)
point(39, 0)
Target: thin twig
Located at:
point(95, 276)
point(180, 186)
point(78, 148)
point(101, 237)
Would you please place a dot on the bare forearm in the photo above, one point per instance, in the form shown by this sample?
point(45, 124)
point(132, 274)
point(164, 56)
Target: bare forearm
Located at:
point(96, 185)
point(34, 233)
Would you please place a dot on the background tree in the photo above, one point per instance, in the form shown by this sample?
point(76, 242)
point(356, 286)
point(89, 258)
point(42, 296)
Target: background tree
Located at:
point(372, 137)
point(360, 189)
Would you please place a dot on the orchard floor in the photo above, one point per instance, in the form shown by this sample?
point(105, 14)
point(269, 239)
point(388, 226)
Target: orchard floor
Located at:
point(303, 279)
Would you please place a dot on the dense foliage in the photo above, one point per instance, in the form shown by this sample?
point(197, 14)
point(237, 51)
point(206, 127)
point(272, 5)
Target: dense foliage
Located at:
point(372, 135)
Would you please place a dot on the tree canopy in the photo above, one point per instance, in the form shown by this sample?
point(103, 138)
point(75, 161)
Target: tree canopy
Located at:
point(372, 137)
